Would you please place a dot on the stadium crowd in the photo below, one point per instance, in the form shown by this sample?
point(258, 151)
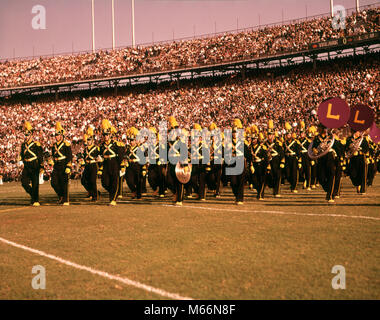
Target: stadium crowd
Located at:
point(278, 94)
point(185, 53)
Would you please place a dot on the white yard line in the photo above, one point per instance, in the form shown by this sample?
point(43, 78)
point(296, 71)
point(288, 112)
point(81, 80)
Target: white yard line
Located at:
point(104, 274)
point(276, 212)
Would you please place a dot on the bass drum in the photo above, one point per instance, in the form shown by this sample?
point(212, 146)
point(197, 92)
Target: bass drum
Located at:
point(183, 172)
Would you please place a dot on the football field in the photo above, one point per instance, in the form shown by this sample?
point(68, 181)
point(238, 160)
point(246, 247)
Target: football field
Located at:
point(279, 248)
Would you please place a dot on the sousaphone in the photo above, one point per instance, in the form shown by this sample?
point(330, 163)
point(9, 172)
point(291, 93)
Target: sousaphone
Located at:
point(322, 149)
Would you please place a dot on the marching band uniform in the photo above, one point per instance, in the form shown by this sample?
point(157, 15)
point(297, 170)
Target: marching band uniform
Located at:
point(328, 175)
point(276, 158)
point(371, 173)
point(357, 165)
point(304, 143)
point(62, 159)
point(258, 163)
point(32, 157)
point(293, 161)
point(173, 151)
point(238, 181)
point(112, 153)
point(157, 171)
point(313, 163)
point(90, 163)
point(198, 173)
point(134, 174)
point(214, 167)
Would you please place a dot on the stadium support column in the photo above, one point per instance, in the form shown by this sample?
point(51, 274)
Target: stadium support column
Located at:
point(357, 6)
point(331, 7)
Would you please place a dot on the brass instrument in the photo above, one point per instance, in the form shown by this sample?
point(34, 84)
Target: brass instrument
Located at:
point(322, 149)
point(355, 147)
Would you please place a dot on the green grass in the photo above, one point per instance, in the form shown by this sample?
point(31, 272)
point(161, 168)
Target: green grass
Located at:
point(254, 251)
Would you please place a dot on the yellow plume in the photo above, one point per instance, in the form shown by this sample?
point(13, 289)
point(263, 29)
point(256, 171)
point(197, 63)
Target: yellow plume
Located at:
point(58, 128)
point(270, 124)
point(28, 126)
point(288, 126)
point(153, 129)
point(261, 136)
point(113, 130)
point(105, 125)
point(173, 122)
point(302, 124)
point(90, 131)
point(85, 136)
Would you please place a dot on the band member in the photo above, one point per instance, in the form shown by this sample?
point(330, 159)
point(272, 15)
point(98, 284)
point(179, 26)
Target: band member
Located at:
point(214, 167)
point(327, 162)
point(62, 159)
point(113, 166)
point(32, 157)
point(276, 158)
point(198, 173)
point(312, 131)
point(358, 149)
point(258, 162)
point(157, 171)
point(175, 156)
point(134, 173)
point(305, 172)
point(293, 160)
point(371, 173)
point(239, 149)
point(90, 162)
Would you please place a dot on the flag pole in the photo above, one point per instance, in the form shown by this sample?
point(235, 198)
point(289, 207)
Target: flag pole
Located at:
point(113, 25)
point(93, 26)
point(133, 23)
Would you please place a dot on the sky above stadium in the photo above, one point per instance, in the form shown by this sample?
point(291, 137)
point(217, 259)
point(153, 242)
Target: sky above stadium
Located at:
point(68, 22)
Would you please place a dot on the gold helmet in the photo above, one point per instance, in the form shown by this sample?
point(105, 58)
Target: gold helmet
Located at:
point(212, 126)
point(106, 127)
point(28, 128)
point(59, 129)
point(197, 126)
point(237, 124)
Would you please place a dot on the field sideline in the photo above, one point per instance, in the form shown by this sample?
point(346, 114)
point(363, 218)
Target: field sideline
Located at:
point(279, 248)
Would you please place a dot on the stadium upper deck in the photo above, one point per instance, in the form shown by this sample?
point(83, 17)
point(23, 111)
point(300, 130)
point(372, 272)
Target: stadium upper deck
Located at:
point(267, 42)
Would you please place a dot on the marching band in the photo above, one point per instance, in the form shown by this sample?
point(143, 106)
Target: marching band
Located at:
point(316, 156)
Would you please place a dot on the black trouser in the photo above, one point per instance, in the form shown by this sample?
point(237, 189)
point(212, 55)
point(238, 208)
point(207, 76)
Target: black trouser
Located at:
point(371, 173)
point(120, 189)
point(213, 177)
point(156, 177)
point(291, 166)
point(306, 169)
point(198, 180)
point(357, 169)
point(60, 181)
point(134, 178)
point(338, 178)
point(88, 179)
point(273, 177)
point(314, 175)
point(237, 184)
point(326, 169)
point(225, 178)
point(175, 186)
point(30, 179)
point(258, 177)
point(110, 177)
